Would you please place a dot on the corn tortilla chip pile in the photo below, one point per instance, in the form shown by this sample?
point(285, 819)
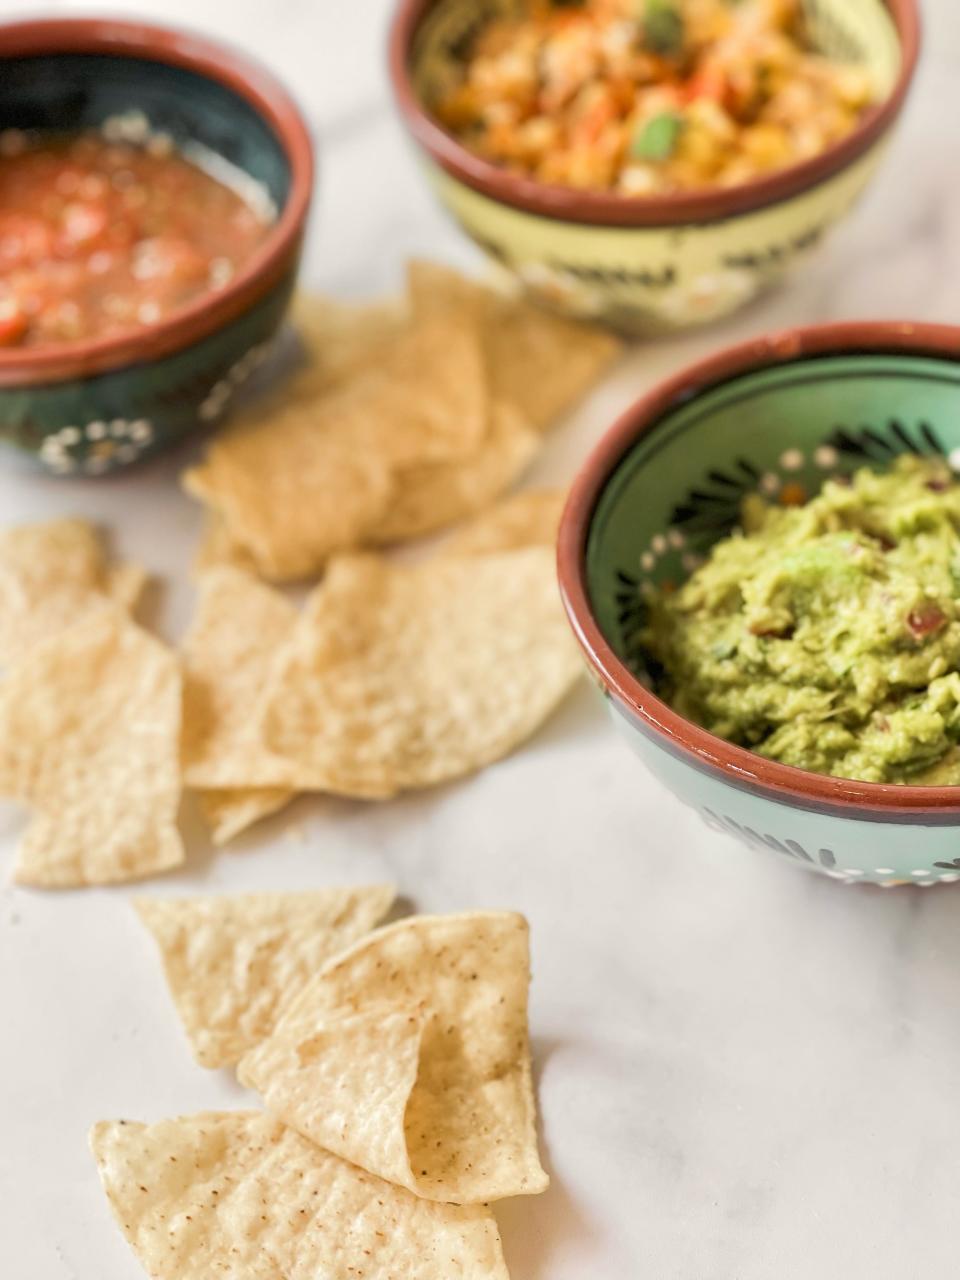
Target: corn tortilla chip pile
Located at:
point(409, 1056)
point(89, 741)
point(233, 963)
point(404, 421)
point(50, 576)
point(237, 1195)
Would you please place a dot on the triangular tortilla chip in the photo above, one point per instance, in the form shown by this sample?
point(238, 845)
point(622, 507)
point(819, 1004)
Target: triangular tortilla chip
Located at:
point(402, 677)
point(51, 575)
point(528, 519)
point(89, 739)
point(540, 363)
point(236, 1195)
point(290, 493)
point(441, 1100)
point(234, 963)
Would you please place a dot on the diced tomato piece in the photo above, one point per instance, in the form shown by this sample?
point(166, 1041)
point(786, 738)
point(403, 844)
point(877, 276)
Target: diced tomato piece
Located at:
point(168, 258)
point(709, 82)
point(13, 322)
point(82, 225)
point(23, 241)
point(925, 619)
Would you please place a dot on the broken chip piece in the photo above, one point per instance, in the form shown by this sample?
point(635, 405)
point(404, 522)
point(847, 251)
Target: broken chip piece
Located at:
point(89, 741)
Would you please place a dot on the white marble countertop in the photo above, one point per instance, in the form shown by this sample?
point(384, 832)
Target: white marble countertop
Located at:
point(746, 1073)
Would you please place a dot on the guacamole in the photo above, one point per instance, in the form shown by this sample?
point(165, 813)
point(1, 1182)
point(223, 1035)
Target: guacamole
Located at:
point(827, 636)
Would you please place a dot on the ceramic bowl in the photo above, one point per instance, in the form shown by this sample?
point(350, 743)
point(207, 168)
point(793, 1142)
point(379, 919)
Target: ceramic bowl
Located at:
point(779, 416)
point(651, 264)
point(90, 407)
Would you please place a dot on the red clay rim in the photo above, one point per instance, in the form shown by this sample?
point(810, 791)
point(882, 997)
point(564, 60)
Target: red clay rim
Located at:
point(739, 766)
point(266, 267)
point(604, 209)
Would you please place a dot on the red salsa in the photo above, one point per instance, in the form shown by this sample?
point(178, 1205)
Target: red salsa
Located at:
point(100, 238)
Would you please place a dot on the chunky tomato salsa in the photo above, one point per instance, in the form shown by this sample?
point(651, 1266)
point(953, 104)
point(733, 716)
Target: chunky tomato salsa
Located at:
point(100, 238)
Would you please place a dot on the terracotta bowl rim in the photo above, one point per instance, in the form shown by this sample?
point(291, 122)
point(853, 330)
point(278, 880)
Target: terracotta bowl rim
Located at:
point(606, 209)
point(248, 80)
point(703, 750)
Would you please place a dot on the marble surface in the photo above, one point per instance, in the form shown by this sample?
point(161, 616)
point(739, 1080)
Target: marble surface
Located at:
point(745, 1072)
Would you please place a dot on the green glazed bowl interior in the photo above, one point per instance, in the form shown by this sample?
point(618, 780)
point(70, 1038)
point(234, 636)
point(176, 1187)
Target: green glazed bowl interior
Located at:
point(780, 432)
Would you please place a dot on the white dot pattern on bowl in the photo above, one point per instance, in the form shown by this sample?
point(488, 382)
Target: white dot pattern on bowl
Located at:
point(120, 440)
point(222, 392)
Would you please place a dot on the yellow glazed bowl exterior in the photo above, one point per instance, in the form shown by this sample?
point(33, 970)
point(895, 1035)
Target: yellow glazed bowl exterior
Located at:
point(654, 279)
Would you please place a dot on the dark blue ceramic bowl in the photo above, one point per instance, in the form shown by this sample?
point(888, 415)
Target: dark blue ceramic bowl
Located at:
point(91, 407)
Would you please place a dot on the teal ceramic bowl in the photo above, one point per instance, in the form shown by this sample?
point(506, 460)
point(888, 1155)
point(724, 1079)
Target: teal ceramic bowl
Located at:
point(779, 415)
point(90, 407)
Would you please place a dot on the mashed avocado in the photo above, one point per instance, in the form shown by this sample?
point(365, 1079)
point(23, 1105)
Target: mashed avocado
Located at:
point(828, 636)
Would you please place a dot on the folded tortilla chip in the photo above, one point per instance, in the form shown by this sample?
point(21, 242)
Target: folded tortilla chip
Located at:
point(228, 654)
point(538, 362)
point(234, 963)
point(400, 677)
point(409, 1056)
point(528, 519)
point(89, 740)
point(238, 1196)
point(50, 576)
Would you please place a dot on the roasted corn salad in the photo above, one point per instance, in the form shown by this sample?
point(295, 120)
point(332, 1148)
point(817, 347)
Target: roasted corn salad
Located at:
point(644, 97)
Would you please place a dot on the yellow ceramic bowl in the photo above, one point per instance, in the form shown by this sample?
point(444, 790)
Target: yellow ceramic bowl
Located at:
point(654, 263)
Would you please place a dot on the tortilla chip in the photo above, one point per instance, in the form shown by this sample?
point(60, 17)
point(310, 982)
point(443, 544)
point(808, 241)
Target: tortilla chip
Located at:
point(228, 654)
point(539, 362)
point(317, 476)
point(435, 495)
point(403, 677)
point(290, 492)
point(229, 812)
point(409, 1056)
point(234, 963)
point(528, 519)
point(50, 576)
point(341, 339)
point(126, 584)
point(89, 740)
point(236, 1195)
point(218, 550)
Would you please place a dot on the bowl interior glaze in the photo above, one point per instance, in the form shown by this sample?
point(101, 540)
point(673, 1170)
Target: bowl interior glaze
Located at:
point(58, 91)
point(781, 431)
